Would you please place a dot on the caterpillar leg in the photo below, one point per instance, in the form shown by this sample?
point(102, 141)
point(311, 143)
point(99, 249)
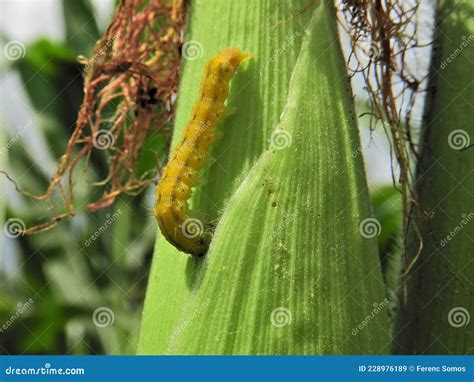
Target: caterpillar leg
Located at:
point(217, 136)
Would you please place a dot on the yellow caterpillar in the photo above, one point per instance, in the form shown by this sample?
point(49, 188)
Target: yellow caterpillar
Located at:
point(180, 173)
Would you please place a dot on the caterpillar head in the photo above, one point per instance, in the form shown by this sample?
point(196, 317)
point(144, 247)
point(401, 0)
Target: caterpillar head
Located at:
point(227, 62)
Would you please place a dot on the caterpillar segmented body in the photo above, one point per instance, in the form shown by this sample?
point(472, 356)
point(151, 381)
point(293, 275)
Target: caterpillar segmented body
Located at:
point(180, 173)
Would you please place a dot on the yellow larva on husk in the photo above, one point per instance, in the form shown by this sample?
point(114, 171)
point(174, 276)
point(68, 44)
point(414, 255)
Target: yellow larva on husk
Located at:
point(180, 173)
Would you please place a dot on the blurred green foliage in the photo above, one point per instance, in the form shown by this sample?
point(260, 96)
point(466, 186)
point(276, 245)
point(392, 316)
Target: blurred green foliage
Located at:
point(92, 261)
point(387, 205)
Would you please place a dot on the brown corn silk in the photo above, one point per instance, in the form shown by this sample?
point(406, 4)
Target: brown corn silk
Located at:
point(133, 72)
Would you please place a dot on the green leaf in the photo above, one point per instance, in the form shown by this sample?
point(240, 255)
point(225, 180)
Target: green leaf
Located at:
point(387, 205)
point(288, 271)
point(154, 143)
point(52, 80)
point(43, 55)
point(72, 282)
point(3, 166)
point(438, 314)
point(81, 27)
